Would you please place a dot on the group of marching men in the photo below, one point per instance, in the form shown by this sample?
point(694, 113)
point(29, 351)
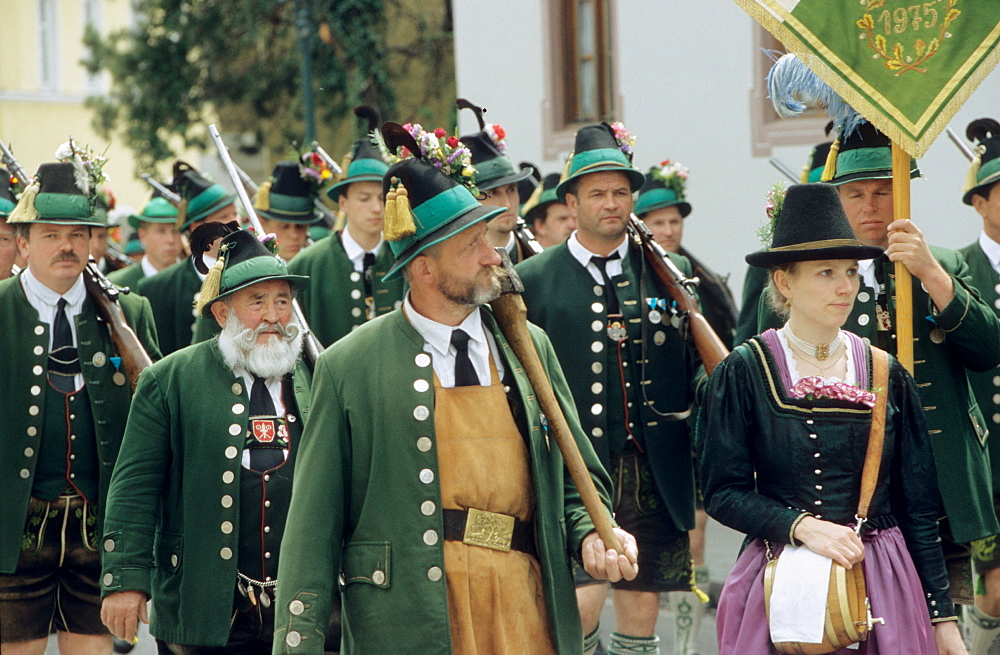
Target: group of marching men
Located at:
point(406, 482)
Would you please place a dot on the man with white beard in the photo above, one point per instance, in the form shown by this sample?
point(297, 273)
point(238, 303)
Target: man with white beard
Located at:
point(199, 495)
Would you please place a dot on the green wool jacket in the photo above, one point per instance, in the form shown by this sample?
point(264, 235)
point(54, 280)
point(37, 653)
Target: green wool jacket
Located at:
point(565, 300)
point(971, 342)
point(360, 509)
point(128, 276)
point(986, 384)
point(176, 482)
point(171, 293)
point(333, 301)
point(24, 369)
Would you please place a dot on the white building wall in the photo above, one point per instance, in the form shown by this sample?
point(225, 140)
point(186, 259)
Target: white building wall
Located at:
point(685, 76)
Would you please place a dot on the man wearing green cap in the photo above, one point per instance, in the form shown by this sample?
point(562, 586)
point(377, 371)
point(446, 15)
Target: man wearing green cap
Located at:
point(983, 256)
point(172, 292)
point(954, 331)
point(427, 480)
point(285, 204)
point(156, 228)
point(8, 245)
point(550, 219)
point(630, 371)
point(61, 420)
point(353, 262)
point(198, 499)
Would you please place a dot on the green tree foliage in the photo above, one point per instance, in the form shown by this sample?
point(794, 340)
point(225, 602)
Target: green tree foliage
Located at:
point(185, 63)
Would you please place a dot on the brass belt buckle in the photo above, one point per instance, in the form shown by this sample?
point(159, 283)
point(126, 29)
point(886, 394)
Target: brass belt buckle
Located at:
point(489, 530)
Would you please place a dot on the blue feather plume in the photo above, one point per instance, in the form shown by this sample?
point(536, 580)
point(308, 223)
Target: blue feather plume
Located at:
point(790, 85)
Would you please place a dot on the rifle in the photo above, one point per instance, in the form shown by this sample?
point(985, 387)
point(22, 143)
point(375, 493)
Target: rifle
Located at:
point(681, 289)
point(105, 296)
point(784, 169)
point(961, 145)
point(312, 347)
point(526, 239)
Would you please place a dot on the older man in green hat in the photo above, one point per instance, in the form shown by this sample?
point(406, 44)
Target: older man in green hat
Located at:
point(198, 500)
point(8, 245)
point(427, 481)
point(630, 370)
point(62, 420)
point(982, 192)
point(156, 228)
point(173, 291)
point(955, 332)
point(352, 263)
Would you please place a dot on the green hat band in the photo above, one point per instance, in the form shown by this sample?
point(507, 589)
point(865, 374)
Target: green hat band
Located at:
point(861, 160)
point(6, 207)
point(213, 198)
point(816, 174)
point(282, 204)
point(63, 205)
point(366, 167)
point(655, 199)
point(990, 171)
point(493, 169)
point(434, 213)
point(251, 269)
point(599, 157)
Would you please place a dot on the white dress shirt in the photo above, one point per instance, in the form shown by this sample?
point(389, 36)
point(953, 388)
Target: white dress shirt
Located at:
point(866, 268)
point(354, 250)
point(582, 255)
point(437, 343)
point(147, 267)
point(991, 249)
point(45, 301)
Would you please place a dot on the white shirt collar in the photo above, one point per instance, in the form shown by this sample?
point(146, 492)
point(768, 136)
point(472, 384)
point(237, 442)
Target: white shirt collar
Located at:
point(147, 267)
point(511, 246)
point(582, 255)
point(991, 249)
point(37, 292)
point(354, 250)
point(866, 267)
point(438, 335)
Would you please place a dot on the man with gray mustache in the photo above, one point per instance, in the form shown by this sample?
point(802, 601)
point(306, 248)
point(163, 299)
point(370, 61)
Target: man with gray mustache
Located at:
point(199, 495)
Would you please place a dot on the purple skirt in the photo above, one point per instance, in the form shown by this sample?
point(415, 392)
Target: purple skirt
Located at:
point(893, 589)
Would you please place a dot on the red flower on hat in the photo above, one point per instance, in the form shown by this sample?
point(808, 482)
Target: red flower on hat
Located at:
point(499, 131)
point(440, 133)
point(404, 152)
point(452, 142)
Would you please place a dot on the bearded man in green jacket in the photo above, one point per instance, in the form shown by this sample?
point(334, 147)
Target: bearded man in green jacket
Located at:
point(61, 421)
point(199, 496)
point(426, 430)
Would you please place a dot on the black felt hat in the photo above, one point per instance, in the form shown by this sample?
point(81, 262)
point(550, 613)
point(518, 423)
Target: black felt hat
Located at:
point(596, 149)
point(493, 168)
point(528, 185)
point(812, 225)
point(813, 171)
point(202, 195)
point(55, 197)
point(866, 154)
point(985, 168)
point(287, 196)
point(7, 200)
point(365, 162)
point(543, 196)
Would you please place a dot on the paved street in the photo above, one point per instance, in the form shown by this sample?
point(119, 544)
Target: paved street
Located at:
point(723, 544)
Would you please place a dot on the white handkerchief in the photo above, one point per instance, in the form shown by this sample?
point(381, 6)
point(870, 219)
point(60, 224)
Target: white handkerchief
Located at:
point(798, 597)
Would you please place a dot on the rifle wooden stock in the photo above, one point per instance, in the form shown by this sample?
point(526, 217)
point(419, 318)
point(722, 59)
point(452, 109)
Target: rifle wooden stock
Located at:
point(127, 344)
point(511, 316)
point(709, 345)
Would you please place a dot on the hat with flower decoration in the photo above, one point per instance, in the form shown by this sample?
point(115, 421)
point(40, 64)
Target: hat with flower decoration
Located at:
point(7, 200)
point(365, 162)
point(599, 148)
point(243, 260)
point(811, 225)
point(985, 168)
point(865, 154)
point(63, 192)
point(157, 210)
point(289, 195)
point(488, 147)
point(199, 195)
point(430, 191)
point(104, 202)
point(544, 195)
point(664, 187)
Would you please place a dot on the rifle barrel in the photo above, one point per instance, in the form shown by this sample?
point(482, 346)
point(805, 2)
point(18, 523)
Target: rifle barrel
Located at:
point(961, 145)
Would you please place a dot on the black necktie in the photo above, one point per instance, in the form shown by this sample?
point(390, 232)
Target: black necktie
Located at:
point(609, 290)
point(465, 374)
point(367, 267)
point(263, 443)
point(63, 360)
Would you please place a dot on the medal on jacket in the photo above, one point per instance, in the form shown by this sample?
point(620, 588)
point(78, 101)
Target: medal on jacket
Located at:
point(657, 306)
point(616, 328)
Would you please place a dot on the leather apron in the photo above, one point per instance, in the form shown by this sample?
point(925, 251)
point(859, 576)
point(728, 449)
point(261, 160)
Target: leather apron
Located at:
point(496, 603)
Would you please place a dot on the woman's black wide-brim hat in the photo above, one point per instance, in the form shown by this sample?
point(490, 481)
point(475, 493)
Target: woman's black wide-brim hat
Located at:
point(812, 225)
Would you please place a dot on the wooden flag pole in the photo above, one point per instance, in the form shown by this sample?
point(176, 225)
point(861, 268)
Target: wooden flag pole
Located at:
point(904, 281)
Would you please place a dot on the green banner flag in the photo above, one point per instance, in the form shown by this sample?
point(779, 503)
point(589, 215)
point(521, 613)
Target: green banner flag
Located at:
point(906, 66)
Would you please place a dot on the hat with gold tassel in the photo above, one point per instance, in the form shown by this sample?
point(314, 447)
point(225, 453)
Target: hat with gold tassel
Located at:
point(243, 260)
point(289, 194)
point(985, 168)
point(55, 195)
point(365, 162)
point(200, 197)
point(430, 191)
